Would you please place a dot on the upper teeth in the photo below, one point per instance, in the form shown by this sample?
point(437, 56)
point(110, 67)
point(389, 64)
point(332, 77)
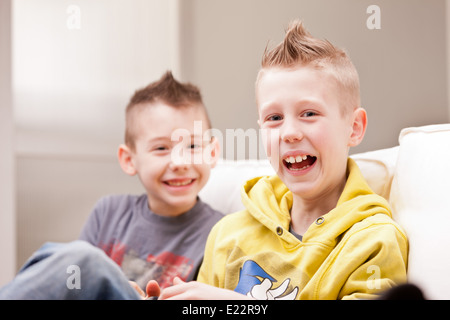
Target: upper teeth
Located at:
point(295, 159)
point(179, 183)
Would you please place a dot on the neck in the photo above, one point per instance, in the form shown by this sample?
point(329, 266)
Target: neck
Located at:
point(305, 211)
point(166, 210)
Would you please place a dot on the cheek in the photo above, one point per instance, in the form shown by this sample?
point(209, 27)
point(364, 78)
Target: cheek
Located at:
point(330, 141)
point(151, 169)
point(271, 142)
point(203, 172)
point(321, 139)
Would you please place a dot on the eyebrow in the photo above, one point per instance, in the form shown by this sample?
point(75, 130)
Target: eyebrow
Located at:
point(156, 140)
point(306, 101)
point(167, 139)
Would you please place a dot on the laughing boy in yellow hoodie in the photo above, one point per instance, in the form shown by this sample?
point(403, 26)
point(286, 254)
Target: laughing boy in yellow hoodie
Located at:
point(315, 230)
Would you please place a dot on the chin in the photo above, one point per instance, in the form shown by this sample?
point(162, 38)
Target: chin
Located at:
point(184, 201)
point(302, 189)
point(302, 192)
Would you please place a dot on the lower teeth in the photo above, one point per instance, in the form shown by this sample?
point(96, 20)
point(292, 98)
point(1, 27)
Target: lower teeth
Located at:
point(179, 184)
point(302, 168)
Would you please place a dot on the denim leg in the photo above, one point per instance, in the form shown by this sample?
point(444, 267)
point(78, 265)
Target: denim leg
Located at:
point(74, 270)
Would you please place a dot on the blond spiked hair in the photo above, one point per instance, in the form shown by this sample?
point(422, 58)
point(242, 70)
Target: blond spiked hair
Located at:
point(299, 49)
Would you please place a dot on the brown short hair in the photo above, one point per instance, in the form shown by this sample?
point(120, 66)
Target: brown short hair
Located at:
point(167, 90)
point(300, 48)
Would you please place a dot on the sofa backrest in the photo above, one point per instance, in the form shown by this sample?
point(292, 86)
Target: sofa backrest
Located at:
point(420, 199)
point(223, 190)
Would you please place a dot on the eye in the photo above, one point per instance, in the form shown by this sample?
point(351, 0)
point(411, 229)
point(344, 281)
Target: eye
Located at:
point(160, 149)
point(196, 143)
point(275, 117)
point(309, 114)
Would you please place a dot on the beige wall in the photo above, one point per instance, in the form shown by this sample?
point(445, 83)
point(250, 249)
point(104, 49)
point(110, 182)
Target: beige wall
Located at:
point(56, 194)
point(403, 82)
point(71, 85)
point(447, 38)
point(7, 172)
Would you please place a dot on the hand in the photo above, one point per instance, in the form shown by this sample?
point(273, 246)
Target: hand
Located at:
point(194, 290)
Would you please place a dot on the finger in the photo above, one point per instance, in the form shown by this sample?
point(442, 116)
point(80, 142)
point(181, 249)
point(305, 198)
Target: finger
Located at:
point(174, 292)
point(177, 280)
point(137, 288)
point(153, 289)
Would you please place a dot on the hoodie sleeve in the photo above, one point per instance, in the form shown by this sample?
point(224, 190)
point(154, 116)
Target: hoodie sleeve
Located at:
point(221, 249)
point(372, 260)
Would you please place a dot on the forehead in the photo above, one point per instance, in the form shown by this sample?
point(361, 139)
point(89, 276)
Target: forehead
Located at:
point(160, 119)
point(277, 85)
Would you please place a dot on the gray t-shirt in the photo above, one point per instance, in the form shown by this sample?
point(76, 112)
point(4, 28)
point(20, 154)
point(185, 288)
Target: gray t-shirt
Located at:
point(148, 246)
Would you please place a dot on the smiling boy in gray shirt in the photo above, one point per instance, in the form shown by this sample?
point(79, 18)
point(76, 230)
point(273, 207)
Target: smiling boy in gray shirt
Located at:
point(155, 236)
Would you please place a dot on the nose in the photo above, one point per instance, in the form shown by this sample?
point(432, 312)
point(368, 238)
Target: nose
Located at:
point(290, 132)
point(179, 161)
point(178, 166)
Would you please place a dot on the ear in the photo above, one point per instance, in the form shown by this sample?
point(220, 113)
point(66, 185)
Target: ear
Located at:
point(212, 152)
point(359, 126)
point(126, 160)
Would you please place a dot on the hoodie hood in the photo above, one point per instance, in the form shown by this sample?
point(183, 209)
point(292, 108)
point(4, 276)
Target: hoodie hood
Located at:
point(269, 200)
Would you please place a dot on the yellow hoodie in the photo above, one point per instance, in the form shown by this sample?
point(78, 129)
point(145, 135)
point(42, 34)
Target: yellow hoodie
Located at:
point(353, 251)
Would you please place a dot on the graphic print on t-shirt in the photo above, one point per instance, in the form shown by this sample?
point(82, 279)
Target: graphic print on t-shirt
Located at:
point(162, 267)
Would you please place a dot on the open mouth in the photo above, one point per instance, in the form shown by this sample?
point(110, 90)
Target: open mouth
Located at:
point(179, 182)
point(299, 162)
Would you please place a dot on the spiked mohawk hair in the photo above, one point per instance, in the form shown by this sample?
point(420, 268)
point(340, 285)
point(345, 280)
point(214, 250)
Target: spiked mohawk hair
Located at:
point(168, 90)
point(299, 48)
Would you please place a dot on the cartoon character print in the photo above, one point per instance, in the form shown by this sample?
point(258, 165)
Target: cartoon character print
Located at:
point(258, 284)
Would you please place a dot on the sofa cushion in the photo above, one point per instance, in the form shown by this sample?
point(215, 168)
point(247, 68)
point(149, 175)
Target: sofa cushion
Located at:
point(420, 198)
point(223, 189)
point(378, 169)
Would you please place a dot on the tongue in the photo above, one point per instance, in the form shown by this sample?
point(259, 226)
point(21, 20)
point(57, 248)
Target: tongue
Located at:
point(298, 165)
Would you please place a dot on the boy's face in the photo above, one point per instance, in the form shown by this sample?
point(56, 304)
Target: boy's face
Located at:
point(308, 137)
point(171, 157)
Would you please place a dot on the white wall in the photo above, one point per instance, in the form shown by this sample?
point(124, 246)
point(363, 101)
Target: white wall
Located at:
point(71, 84)
point(7, 166)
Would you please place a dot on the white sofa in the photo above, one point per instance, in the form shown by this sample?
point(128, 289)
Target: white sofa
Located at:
point(414, 177)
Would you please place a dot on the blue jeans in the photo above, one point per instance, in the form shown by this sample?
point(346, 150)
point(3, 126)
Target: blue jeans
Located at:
point(74, 270)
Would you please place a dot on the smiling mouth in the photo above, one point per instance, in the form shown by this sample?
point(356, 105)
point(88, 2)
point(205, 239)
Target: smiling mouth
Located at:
point(299, 162)
point(179, 183)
